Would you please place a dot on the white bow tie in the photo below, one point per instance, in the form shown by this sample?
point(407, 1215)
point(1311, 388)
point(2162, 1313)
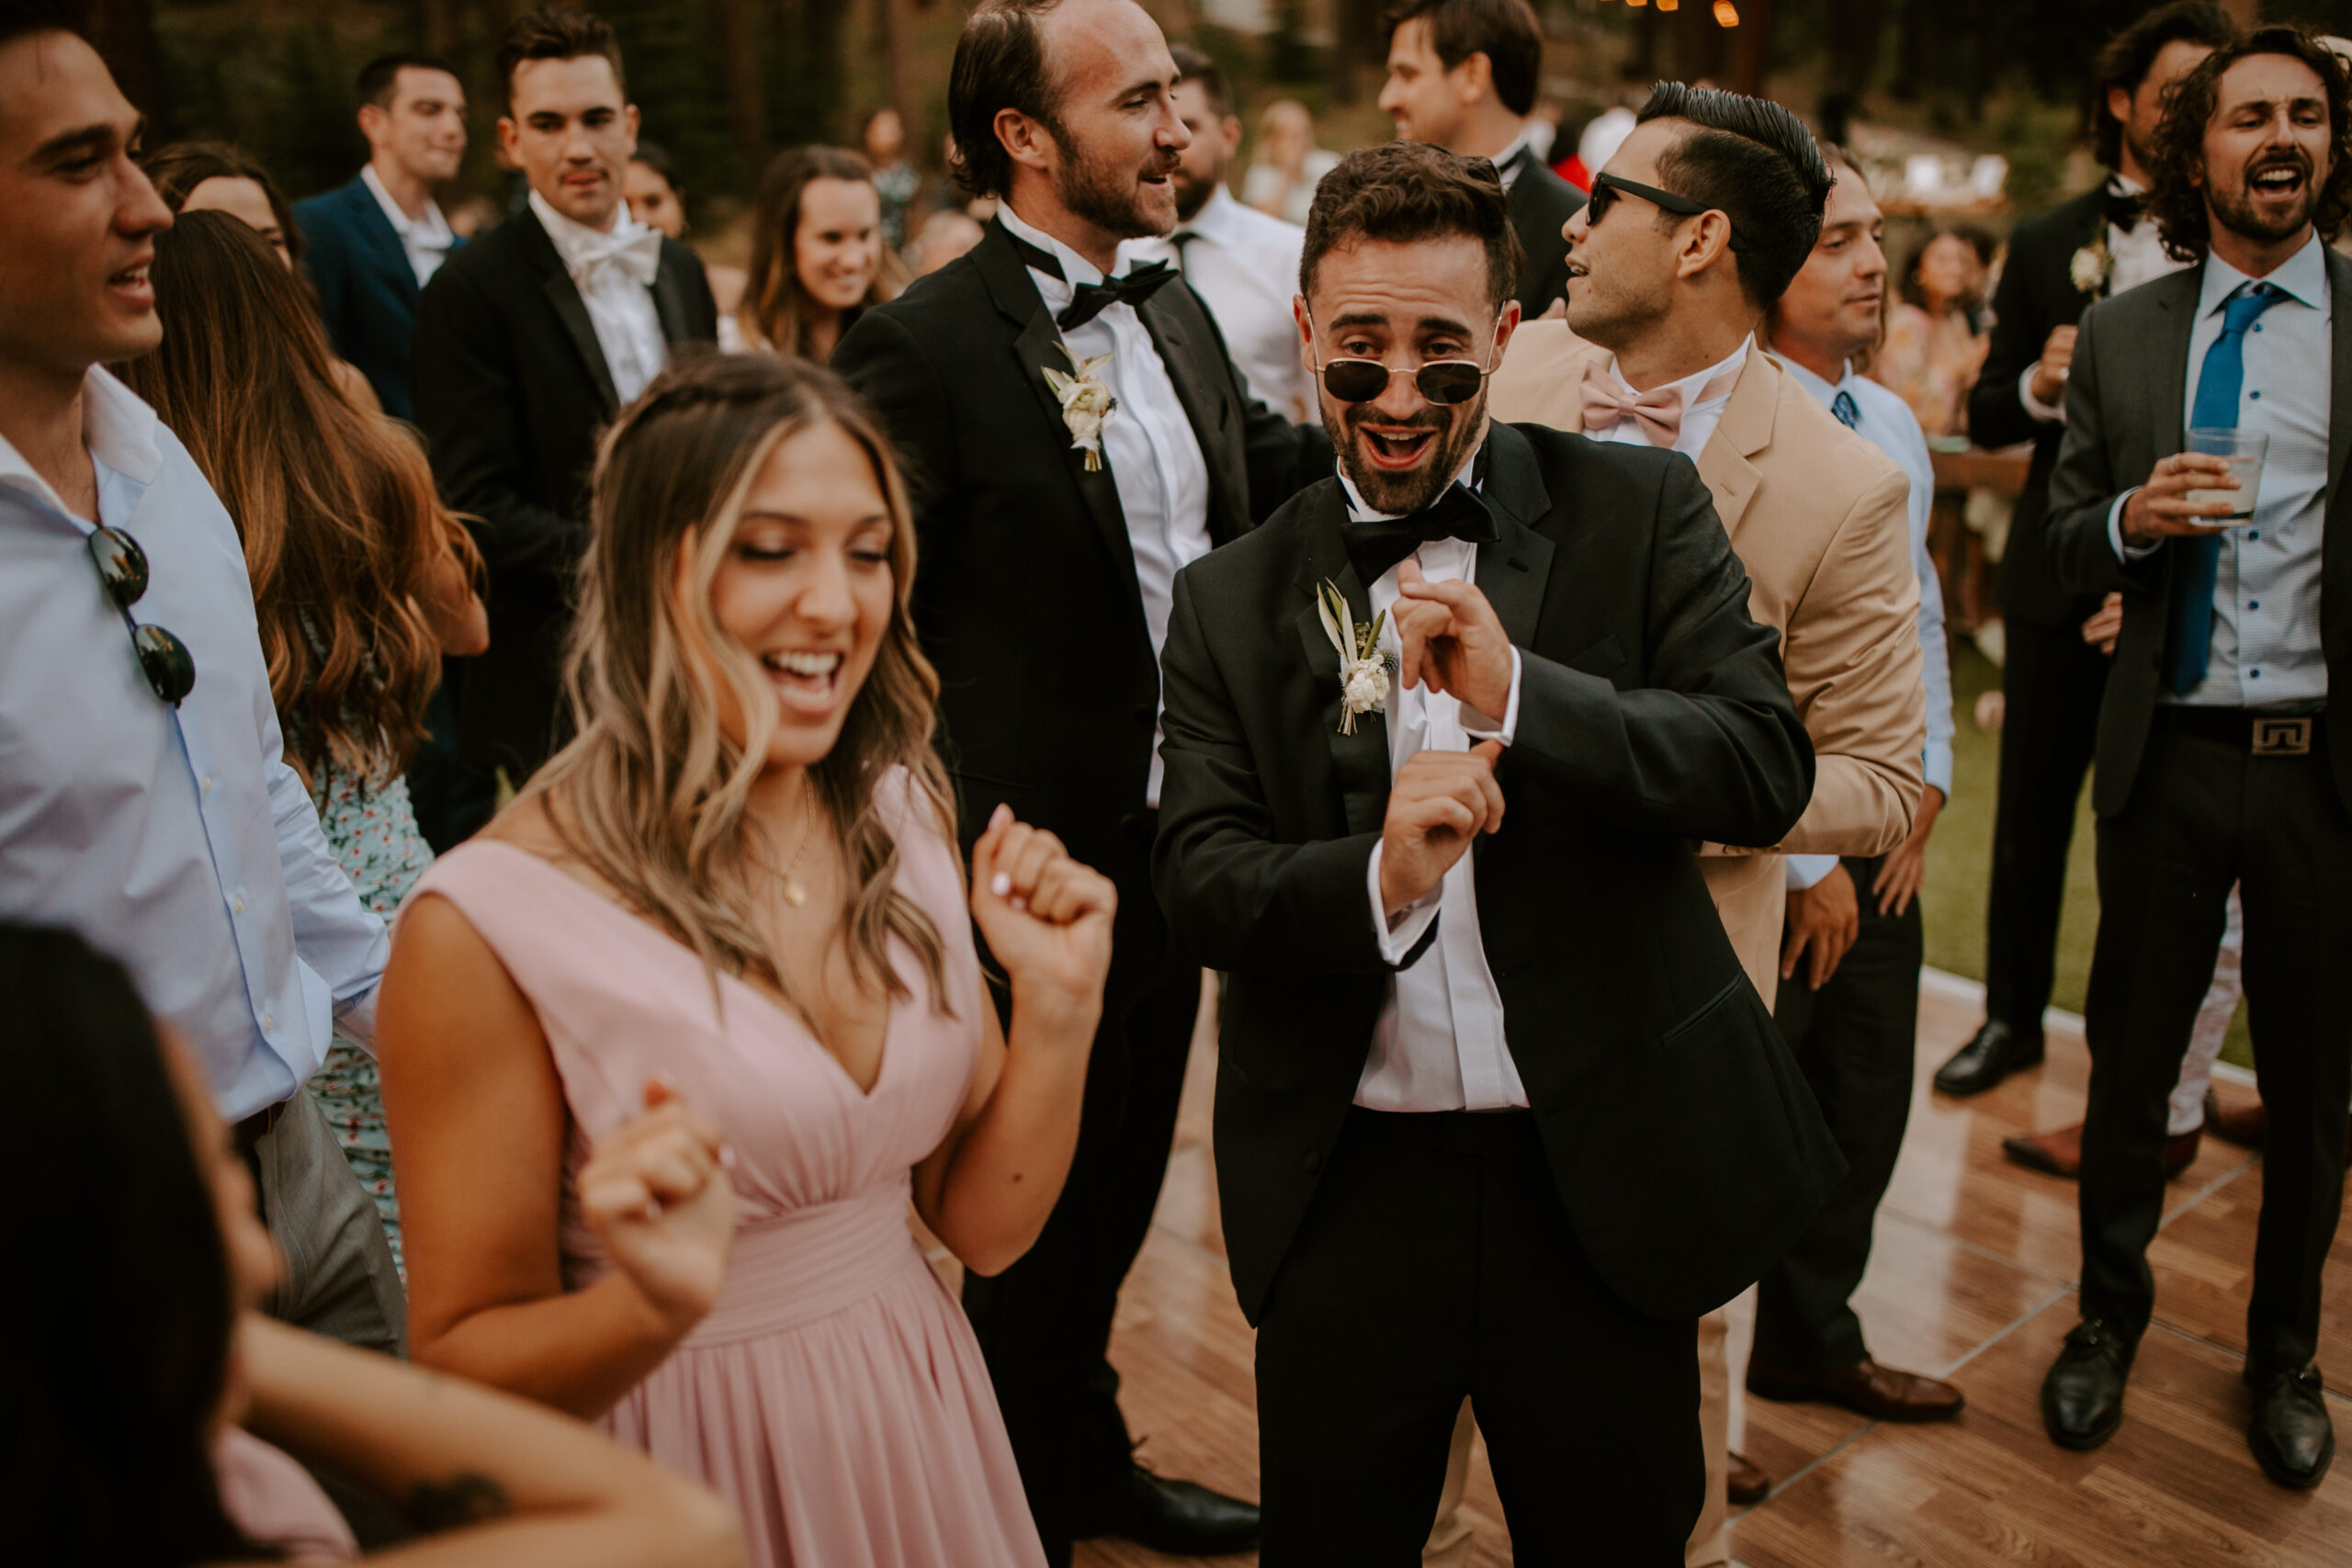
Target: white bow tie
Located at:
point(637, 255)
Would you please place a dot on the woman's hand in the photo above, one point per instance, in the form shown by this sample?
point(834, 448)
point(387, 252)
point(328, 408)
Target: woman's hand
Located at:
point(657, 1195)
point(1046, 916)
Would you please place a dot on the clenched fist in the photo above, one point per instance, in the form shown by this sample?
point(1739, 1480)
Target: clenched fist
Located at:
point(1440, 804)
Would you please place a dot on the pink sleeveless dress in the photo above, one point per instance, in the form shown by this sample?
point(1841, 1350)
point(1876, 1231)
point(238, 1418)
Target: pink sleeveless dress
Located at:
point(836, 1394)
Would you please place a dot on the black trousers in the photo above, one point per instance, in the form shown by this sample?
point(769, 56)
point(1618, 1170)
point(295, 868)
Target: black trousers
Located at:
point(2205, 813)
point(1045, 1323)
point(1855, 1040)
point(1435, 1263)
point(2051, 684)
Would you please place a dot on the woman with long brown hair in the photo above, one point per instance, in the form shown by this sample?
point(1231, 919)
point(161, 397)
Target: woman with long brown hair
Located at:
point(818, 254)
point(361, 581)
point(738, 890)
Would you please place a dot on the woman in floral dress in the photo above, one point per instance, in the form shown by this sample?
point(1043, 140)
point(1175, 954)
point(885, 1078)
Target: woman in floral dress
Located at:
point(361, 581)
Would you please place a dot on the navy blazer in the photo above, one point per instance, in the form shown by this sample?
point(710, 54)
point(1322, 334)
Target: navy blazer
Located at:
point(366, 289)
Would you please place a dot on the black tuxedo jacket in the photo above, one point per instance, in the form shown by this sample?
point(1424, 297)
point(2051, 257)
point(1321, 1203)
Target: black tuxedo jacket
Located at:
point(512, 392)
point(1540, 203)
point(367, 290)
point(2037, 295)
point(1026, 596)
point(1653, 714)
point(2125, 402)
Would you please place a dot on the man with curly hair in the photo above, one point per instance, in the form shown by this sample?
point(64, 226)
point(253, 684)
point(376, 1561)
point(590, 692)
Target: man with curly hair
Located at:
point(2217, 761)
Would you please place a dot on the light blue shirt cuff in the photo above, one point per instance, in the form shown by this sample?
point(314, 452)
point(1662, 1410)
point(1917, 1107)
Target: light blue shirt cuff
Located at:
point(1937, 767)
point(2123, 552)
point(1807, 870)
point(1400, 939)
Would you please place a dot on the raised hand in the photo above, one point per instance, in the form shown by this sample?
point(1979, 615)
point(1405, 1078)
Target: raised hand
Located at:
point(657, 1195)
point(2050, 370)
point(1440, 804)
point(1450, 640)
point(2161, 508)
point(1046, 917)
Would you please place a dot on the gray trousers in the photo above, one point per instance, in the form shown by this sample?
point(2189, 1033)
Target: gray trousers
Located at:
point(340, 1279)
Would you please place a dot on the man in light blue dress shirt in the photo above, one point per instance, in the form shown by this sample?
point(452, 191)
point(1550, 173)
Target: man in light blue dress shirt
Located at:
point(144, 798)
point(2218, 761)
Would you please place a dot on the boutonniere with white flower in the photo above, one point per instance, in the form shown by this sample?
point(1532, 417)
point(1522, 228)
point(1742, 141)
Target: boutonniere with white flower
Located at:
point(2091, 266)
point(1087, 404)
point(1364, 669)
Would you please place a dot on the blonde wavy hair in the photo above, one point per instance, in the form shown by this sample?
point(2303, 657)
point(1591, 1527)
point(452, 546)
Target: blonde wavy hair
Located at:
point(652, 795)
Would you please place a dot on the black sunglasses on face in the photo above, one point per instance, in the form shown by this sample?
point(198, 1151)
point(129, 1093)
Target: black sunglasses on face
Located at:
point(164, 660)
point(1604, 194)
point(1445, 382)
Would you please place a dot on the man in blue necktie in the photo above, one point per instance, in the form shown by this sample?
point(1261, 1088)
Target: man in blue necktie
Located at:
point(2217, 762)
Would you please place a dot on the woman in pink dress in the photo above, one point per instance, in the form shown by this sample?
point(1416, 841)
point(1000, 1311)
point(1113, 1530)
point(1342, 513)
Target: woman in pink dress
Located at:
point(723, 941)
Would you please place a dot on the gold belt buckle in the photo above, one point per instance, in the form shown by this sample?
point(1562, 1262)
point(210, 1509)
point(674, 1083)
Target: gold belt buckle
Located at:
point(2282, 737)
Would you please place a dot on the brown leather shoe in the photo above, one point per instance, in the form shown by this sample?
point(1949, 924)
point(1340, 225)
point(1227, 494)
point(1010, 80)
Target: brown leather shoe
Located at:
point(2060, 1152)
point(2244, 1122)
point(1744, 1482)
point(1865, 1388)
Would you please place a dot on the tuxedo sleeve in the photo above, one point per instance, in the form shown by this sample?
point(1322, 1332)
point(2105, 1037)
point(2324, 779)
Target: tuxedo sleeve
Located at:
point(1710, 747)
point(1235, 899)
point(470, 402)
point(2084, 486)
point(889, 368)
point(1996, 415)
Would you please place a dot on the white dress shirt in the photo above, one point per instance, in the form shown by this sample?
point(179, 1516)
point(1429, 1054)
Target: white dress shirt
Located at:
point(616, 282)
point(1147, 443)
point(1244, 265)
point(1507, 162)
point(426, 240)
point(2136, 257)
point(2265, 648)
point(1699, 419)
point(178, 840)
point(1886, 421)
point(1438, 1044)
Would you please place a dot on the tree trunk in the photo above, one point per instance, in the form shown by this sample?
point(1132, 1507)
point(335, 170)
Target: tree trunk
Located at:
point(1753, 53)
point(123, 32)
point(739, 65)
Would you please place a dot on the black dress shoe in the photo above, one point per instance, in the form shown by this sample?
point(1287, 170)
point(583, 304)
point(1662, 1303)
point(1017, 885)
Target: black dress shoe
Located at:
point(1177, 1517)
point(2082, 1397)
point(2291, 1435)
point(1992, 1053)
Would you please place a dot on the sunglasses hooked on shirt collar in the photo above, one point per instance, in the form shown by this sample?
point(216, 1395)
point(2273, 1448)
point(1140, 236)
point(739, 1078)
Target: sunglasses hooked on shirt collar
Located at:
point(1604, 194)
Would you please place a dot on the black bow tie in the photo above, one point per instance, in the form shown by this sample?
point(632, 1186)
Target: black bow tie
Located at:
point(2123, 208)
point(1376, 545)
point(1090, 300)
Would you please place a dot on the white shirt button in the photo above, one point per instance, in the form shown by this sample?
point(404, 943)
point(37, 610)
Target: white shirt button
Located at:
point(208, 783)
point(268, 1021)
point(237, 905)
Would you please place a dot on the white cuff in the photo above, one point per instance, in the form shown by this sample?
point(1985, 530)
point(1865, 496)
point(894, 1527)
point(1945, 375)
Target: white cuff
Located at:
point(2123, 552)
point(1807, 870)
point(2034, 405)
point(1480, 726)
point(1400, 939)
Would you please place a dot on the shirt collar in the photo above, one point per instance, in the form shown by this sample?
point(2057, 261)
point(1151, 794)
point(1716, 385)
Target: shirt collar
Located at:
point(432, 230)
point(1523, 142)
point(1076, 269)
point(119, 428)
point(1466, 476)
point(1688, 385)
point(1823, 390)
point(1217, 220)
point(2301, 277)
point(2124, 184)
point(576, 243)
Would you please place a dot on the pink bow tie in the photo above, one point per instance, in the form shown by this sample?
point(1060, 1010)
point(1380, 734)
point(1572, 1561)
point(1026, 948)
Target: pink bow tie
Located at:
point(1659, 412)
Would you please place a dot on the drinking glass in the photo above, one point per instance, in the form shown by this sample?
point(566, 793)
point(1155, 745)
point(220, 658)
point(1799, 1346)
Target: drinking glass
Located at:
point(2245, 450)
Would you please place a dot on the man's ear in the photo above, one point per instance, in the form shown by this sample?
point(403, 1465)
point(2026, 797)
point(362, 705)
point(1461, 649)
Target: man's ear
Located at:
point(510, 137)
point(2119, 104)
point(1023, 139)
point(1505, 325)
point(1707, 237)
point(1230, 129)
point(1477, 77)
point(628, 114)
point(371, 121)
point(1305, 332)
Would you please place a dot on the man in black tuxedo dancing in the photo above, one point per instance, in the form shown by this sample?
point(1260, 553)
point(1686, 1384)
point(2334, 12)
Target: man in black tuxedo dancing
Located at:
point(1051, 538)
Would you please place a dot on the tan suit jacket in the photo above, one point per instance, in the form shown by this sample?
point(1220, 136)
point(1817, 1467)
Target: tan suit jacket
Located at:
point(1817, 515)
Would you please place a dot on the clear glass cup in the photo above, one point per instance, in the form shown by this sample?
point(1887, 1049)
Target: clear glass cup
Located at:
point(2245, 449)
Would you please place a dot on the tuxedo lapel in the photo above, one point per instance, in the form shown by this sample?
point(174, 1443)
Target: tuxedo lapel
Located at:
point(386, 254)
point(556, 283)
point(669, 301)
point(2168, 348)
point(1197, 387)
point(1513, 570)
point(1359, 761)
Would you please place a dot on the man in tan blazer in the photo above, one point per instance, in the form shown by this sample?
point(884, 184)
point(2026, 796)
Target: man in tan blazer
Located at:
point(1696, 226)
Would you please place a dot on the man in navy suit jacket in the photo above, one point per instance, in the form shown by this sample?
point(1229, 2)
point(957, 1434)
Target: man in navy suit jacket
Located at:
point(375, 242)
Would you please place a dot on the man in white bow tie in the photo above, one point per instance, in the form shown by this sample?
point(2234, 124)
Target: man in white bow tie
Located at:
point(527, 342)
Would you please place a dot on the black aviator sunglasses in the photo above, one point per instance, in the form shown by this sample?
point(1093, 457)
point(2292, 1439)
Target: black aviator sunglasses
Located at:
point(163, 659)
point(1445, 382)
point(1604, 193)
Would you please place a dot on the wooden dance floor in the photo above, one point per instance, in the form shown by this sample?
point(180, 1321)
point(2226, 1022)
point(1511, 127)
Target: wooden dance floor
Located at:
point(1970, 1280)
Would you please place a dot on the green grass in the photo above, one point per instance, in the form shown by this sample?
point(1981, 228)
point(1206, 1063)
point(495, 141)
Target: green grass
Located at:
point(1959, 859)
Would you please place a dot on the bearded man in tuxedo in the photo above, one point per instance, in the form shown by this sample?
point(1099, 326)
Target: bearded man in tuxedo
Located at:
point(1074, 433)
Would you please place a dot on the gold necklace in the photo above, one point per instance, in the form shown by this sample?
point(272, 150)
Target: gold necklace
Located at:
point(795, 894)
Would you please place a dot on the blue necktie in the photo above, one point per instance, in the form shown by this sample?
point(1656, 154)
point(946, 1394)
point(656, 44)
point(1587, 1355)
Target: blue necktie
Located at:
point(1842, 405)
point(2196, 562)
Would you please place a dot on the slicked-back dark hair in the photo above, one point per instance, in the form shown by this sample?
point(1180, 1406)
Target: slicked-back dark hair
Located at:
point(1756, 164)
point(1402, 192)
point(380, 76)
point(556, 32)
point(1195, 65)
point(2125, 59)
point(999, 64)
point(2176, 201)
point(23, 19)
point(1505, 31)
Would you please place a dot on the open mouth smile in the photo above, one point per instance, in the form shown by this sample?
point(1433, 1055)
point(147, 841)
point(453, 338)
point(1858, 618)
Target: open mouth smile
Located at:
point(1398, 448)
point(132, 285)
point(806, 680)
point(2276, 181)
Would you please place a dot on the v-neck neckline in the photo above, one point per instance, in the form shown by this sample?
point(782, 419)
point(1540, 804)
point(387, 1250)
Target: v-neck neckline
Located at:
point(790, 1019)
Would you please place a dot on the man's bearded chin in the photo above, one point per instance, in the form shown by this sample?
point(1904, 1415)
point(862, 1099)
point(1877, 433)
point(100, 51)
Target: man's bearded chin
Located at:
point(1191, 194)
point(1110, 198)
point(1398, 493)
point(2237, 210)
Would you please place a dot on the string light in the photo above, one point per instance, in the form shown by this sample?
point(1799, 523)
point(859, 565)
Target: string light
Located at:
point(1667, 4)
point(1726, 14)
